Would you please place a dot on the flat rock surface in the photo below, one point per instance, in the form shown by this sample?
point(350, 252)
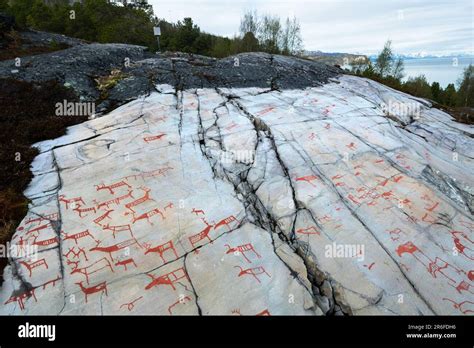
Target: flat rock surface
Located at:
point(345, 198)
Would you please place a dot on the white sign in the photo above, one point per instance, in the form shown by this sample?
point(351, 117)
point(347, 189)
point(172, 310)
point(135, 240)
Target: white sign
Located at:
point(157, 31)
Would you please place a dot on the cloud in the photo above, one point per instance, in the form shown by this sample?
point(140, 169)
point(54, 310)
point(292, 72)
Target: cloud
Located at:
point(344, 25)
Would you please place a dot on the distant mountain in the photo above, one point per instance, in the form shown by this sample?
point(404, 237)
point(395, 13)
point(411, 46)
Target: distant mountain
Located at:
point(333, 58)
point(423, 54)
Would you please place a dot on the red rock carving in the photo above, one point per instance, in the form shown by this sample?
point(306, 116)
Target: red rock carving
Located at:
point(395, 232)
point(21, 298)
point(62, 198)
point(430, 209)
point(81, 211)
point(265, 312)
point(308, 178)
point(32, 265)
point(180, 301)
point(398, 178)
point(201, 235)
point(111, 187)
point(161, 249)
point(197, 211)
point(254, 272)
point(52, 281)
point(119, 228)
point(39, 228)
point(308, 230)
point(148, 215)
point(435, 266)
point(459, 246)
point(225, 222)
point(53, 216)
point(351, 146)
point(242, 249)
point(116, 247)
point(154, 137)
point(101, 287)
point(131, 305)
point(114, 201)
point(168, 278)
point(145, 198)
point(352, 198)
point(76, 254)
point(45, 242)
point(463, 286)
point(104, 216)
point(126, 262)
point(77, 236)
point(92, 268)
point(370, 266)
point(266, 110)
point(151, 174)
point(460, 305)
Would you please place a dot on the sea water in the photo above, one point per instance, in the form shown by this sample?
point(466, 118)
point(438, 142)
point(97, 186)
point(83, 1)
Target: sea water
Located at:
point(444, 70)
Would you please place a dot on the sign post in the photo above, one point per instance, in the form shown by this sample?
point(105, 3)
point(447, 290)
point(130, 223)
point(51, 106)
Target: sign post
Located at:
point(157, 33)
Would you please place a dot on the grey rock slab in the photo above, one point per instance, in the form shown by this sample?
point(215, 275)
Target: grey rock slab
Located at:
point(347, 198)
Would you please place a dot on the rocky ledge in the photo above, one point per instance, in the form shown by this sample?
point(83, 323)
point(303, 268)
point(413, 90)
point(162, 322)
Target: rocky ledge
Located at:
point(254, 189)
point(79, 67)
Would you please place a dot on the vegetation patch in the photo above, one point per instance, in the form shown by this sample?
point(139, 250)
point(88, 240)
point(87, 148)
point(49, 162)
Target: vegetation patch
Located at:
point(27, 116)
point(106, 83)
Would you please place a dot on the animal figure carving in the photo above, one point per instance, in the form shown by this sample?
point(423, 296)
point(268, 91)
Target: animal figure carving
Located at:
point(161, 249)
point(168, 279)
point(81, 211)
point(101, 287)
point(225, 222)
point(242, 249)
point(73, 201)
point(32, 265)
point(194, 239)
point(112, 187)
point(77, 236)
point(254, 272)
point(141, 200)
point(146, 216)
point(21, 298)
point(92, 268)
point(309, 179)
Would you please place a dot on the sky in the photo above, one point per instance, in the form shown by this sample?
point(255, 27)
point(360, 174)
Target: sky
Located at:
point(351, 26)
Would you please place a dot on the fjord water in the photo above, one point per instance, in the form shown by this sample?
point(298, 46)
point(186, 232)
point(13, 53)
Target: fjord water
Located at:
point(444, 70)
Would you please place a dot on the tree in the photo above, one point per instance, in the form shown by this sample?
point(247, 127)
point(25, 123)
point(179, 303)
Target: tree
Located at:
point(418, 86)
point(369, 71)
point(187, 33)
point(249, 23)
point(466, 87)
point(4, 5)
point(436, 92)
point(398, 68)
point(383, 64)
point(40, 16)
point(291, 42)
point(21, 9)
point(249, 43)
point(449, 95)
point(270, 34)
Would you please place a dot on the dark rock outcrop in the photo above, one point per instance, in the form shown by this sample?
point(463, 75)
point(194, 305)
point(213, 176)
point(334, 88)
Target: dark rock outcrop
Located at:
point(78, 66)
